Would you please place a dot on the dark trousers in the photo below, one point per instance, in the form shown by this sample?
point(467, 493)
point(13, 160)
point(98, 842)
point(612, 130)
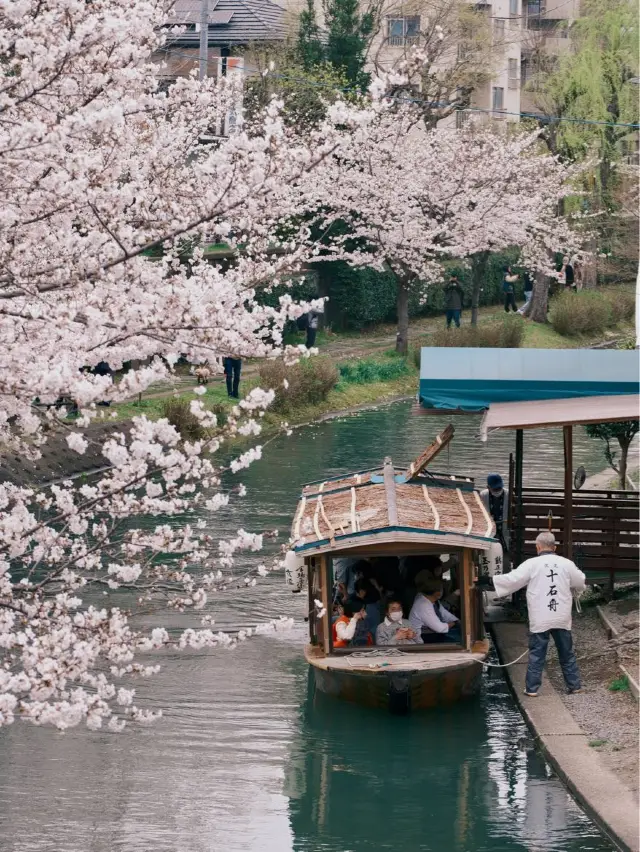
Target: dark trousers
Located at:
point(232, 374)
point(453, 315)
point(538, 644)
point(510, 302)
point(311, 337)
point(452, 635)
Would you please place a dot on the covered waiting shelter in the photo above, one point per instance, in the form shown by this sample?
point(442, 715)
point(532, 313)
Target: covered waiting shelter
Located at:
point(535, 388)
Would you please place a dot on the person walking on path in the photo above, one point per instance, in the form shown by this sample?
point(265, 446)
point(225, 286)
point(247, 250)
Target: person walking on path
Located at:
point(453, 301)
point(232, 368)
point(528, 292)
point(550, 580)
point(509, 289)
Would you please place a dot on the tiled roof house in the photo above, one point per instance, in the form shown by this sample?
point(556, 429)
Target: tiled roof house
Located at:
point(233, 25)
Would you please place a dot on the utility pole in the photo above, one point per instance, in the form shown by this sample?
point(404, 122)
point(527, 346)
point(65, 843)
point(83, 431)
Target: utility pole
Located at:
point(204, 39)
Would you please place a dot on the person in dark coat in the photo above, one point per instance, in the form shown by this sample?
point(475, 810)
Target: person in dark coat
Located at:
point(509, 289)
point(453, 295)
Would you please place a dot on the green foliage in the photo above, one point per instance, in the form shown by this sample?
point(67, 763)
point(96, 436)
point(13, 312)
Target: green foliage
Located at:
point(590, 311)
point(349, 34)
point(597, 743)
point(593, 80)
point(309, 48)
point(508, 333)
point(619, 684)
point(368, 370)
point(306, 383)
point(623, 431)
point(305, 90)
point(359, 297)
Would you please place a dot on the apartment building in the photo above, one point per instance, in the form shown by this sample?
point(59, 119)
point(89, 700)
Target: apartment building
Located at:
point(521, 33)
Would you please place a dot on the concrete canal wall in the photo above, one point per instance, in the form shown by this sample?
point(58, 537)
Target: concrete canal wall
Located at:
point(566, 746)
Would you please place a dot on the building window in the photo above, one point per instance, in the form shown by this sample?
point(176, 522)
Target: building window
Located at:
point(513, 74)
point(498, 99)
point(498, 27)
point(535, 8)
point(403, 30)
point(462, 118)
point(513, 8)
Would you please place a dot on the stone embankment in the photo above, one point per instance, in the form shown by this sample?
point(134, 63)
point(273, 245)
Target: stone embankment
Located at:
point(569, 747)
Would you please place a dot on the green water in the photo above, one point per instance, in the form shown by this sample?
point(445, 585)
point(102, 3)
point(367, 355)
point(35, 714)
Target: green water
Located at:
point(249, 759)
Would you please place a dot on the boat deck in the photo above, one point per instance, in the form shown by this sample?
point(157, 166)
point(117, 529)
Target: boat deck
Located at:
point(396, 660)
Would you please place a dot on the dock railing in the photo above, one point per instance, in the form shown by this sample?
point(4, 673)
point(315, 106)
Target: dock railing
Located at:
point(606, 530)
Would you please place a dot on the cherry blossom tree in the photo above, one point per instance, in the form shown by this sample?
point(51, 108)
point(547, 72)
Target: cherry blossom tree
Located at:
point(99, 167)
point(414, 197)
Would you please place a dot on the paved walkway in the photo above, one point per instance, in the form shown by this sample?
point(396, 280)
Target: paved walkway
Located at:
point(565, 745)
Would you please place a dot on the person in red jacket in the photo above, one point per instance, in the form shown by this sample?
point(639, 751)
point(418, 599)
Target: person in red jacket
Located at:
point(344, 627)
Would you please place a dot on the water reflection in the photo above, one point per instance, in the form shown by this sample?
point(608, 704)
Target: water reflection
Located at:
point(444, 779)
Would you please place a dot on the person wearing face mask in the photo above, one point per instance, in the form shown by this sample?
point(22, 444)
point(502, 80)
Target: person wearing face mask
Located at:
point(495, 499)
point(396, 630)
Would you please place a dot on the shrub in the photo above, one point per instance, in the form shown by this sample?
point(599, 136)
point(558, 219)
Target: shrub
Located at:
point(506, 334)
point(308, 382)
point(368, 370)
point(587, 312)
point(622, 303)
point(178, 413)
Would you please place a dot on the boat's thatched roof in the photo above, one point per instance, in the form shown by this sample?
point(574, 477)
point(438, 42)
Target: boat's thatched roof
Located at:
point(390, 505)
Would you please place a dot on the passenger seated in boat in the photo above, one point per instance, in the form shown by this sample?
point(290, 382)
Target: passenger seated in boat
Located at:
point(385, 575)
point(428, 615)
point(347, 573)
point(435, 571)
point(396, 630)
point(370, 597)
point(414, 566)
point(346, 626)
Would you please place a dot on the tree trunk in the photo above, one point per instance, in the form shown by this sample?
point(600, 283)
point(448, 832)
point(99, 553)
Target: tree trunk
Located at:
point(402, 309)
point(536, 310)
point(478, 276)
point(622, 467)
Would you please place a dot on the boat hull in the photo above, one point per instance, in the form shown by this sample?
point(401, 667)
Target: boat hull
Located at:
point(401, 688)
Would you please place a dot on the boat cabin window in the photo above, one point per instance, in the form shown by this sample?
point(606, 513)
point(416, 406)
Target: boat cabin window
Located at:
point(390, 601)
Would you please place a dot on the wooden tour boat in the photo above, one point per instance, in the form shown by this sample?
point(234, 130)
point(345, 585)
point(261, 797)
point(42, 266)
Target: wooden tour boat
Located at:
point(395, 512)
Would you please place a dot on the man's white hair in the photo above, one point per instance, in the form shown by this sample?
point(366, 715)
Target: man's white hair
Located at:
point(546, 540)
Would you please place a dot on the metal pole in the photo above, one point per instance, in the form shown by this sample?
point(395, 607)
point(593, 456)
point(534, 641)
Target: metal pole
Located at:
point(204, 39)
point(567, 539)
point(519, 525)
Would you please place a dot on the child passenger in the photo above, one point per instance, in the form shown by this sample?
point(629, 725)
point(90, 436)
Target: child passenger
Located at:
point(396, 630)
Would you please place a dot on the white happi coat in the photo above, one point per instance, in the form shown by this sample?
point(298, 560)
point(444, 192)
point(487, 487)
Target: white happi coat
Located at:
point(550, 580)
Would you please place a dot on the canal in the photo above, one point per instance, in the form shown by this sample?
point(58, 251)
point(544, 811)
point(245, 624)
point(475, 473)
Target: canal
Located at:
point(248, 759)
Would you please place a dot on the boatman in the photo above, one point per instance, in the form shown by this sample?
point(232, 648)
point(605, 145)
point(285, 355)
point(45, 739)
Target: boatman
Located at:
point(550, 580)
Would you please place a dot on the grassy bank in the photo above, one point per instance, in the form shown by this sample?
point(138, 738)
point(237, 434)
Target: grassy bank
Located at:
point(366, 369)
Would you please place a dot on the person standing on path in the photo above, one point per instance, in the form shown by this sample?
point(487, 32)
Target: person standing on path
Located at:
point(509, 289)
point(232, 368)
point(312, 329)
point(528, 291)
point(567, 273)
point(550, 580)
point(453, 301)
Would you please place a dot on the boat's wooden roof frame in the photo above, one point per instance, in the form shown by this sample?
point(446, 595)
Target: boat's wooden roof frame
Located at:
point(398, 541)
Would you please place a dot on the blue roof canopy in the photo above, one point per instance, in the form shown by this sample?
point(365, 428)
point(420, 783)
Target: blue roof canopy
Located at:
point(466, 379)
